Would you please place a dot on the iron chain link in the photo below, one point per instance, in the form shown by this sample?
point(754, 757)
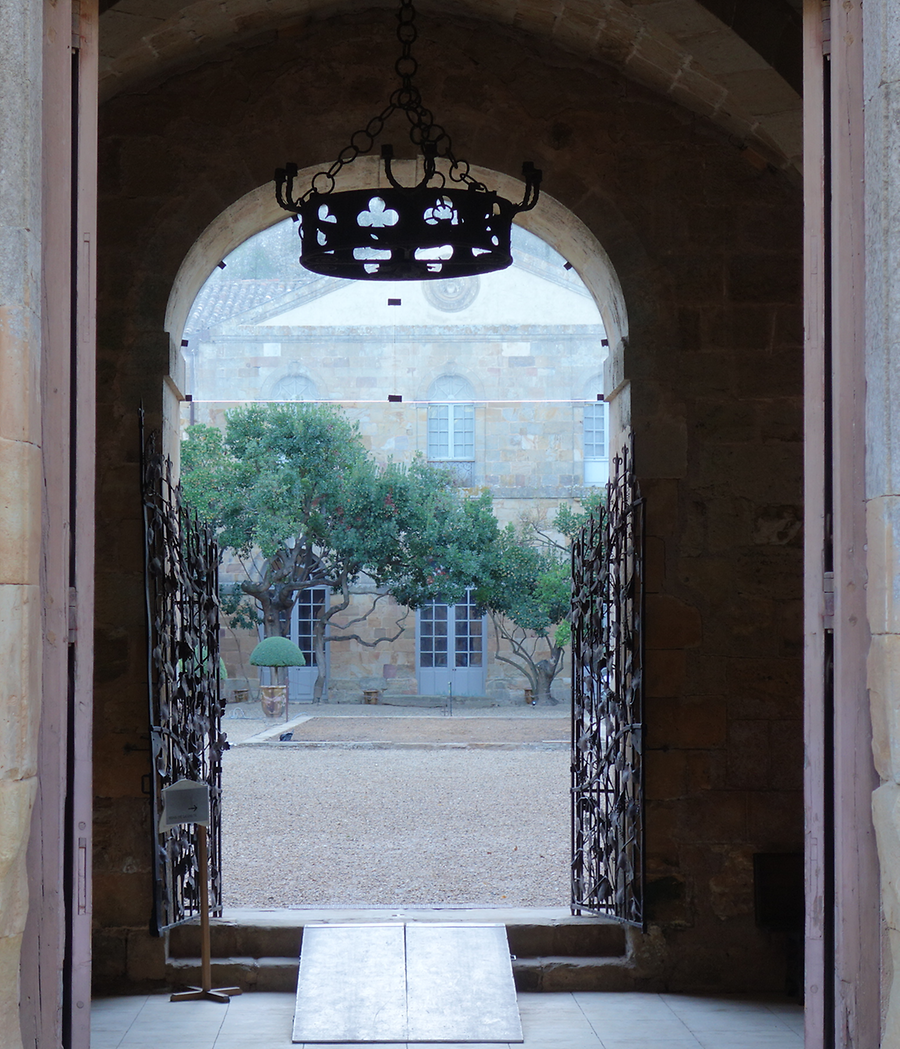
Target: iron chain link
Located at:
point(423, 132)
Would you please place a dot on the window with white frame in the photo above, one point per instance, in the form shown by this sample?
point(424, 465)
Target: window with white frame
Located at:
point(596, 443)
point(451, 426)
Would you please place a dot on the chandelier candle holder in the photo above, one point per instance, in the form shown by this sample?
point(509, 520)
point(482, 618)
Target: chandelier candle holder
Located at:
point(447, 225)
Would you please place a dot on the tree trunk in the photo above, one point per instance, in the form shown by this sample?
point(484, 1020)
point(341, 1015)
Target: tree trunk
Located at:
point(319, 648)
point(270, 617)
point(546, 669)
point(276, 612)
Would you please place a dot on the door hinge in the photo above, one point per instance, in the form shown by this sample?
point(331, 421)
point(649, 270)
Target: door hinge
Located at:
point(73, 615)
point(77, 31)
point(81, 876)
point(828, 601)
point(826, 27)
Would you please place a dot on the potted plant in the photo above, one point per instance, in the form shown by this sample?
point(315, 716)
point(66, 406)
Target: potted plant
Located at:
point(278, 653)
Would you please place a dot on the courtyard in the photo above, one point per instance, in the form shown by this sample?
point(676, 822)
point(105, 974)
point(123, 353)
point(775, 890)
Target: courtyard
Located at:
point(388, 806)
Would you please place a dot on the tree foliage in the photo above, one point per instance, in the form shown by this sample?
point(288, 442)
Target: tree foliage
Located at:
point(293, 492)
point(569, 521)
point(528, 593)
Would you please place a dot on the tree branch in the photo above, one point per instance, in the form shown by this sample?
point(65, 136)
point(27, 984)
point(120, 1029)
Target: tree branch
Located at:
point(526, 668)
point(368, 644)
point(362, 619)
point(549, 540)
point(517, 643)
point(365, 616)
point(341, 584)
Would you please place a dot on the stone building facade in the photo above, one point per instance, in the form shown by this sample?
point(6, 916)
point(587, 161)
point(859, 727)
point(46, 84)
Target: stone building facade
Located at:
point(495, 378)
point(741, 243)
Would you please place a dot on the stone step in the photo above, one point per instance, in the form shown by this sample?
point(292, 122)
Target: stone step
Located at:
point(278, 974)
point(552, 950)
point(388, 698)
point(567, 973)
point(250, 974)
point(532, 932)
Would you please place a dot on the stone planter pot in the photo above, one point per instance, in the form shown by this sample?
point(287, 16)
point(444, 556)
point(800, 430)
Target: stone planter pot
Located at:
point(272, 699)
point(240, 695)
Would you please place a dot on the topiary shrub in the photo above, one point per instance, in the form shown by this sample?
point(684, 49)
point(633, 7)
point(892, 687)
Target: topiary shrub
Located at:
point(277, 652)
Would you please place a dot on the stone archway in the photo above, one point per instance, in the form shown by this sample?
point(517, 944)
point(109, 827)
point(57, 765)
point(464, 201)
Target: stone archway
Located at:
point(257, 210)
point(238, 224)
point(553, 222)
point(705, 243)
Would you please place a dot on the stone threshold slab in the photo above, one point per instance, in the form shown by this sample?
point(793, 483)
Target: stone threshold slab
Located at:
point(367, 744)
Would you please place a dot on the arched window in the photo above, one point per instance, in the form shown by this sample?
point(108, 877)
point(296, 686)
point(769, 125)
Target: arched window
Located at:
point(451, 426)
point(596, 436)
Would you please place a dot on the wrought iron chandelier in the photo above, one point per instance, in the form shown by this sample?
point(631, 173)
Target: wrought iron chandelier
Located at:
point(447, 225)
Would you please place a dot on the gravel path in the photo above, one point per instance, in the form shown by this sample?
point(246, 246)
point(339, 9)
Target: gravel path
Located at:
point(434, 730)
point(244, 720)
point(391, 827)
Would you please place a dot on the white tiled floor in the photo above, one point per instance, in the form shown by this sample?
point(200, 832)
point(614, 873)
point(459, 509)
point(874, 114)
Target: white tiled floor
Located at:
point(579, 1020)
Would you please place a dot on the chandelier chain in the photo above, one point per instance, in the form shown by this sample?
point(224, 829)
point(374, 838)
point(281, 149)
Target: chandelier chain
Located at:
point(432, 138)
point(424, 132)
point(447, 224)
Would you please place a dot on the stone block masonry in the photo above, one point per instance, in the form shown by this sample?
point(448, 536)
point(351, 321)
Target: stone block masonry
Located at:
point(21, 477)
point(707, 375)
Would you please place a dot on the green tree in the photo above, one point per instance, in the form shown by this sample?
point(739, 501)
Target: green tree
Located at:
point(568, 520)
point(528, 593)
point(293, 492)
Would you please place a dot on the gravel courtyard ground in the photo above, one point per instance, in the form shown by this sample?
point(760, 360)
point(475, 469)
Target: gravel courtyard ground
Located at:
point(405, 809)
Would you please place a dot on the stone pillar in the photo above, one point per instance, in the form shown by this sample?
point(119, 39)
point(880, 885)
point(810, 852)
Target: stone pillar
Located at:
point(20, 477)
point(882, 120)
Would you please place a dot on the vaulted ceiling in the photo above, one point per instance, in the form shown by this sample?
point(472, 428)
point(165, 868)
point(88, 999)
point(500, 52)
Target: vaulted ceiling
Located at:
point(737, 62)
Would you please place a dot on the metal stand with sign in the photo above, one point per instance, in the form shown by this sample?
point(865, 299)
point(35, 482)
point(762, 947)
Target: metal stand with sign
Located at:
point(188, 802)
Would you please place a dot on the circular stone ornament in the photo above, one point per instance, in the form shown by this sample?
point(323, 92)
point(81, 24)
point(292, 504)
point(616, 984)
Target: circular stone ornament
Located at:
point(451, 296)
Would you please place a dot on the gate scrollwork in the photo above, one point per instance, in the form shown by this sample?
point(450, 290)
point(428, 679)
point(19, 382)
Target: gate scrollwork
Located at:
point(607, 705)
point(181, 580)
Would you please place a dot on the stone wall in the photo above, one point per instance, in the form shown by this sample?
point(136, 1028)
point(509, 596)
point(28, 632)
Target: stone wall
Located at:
point(526, 447)
point(389, 666)
point(20, 480)
point(715, 410)
point(705, 241)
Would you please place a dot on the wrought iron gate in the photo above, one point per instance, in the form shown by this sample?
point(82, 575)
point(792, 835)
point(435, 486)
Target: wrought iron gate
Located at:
point(607, 708)
point(181, 579)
